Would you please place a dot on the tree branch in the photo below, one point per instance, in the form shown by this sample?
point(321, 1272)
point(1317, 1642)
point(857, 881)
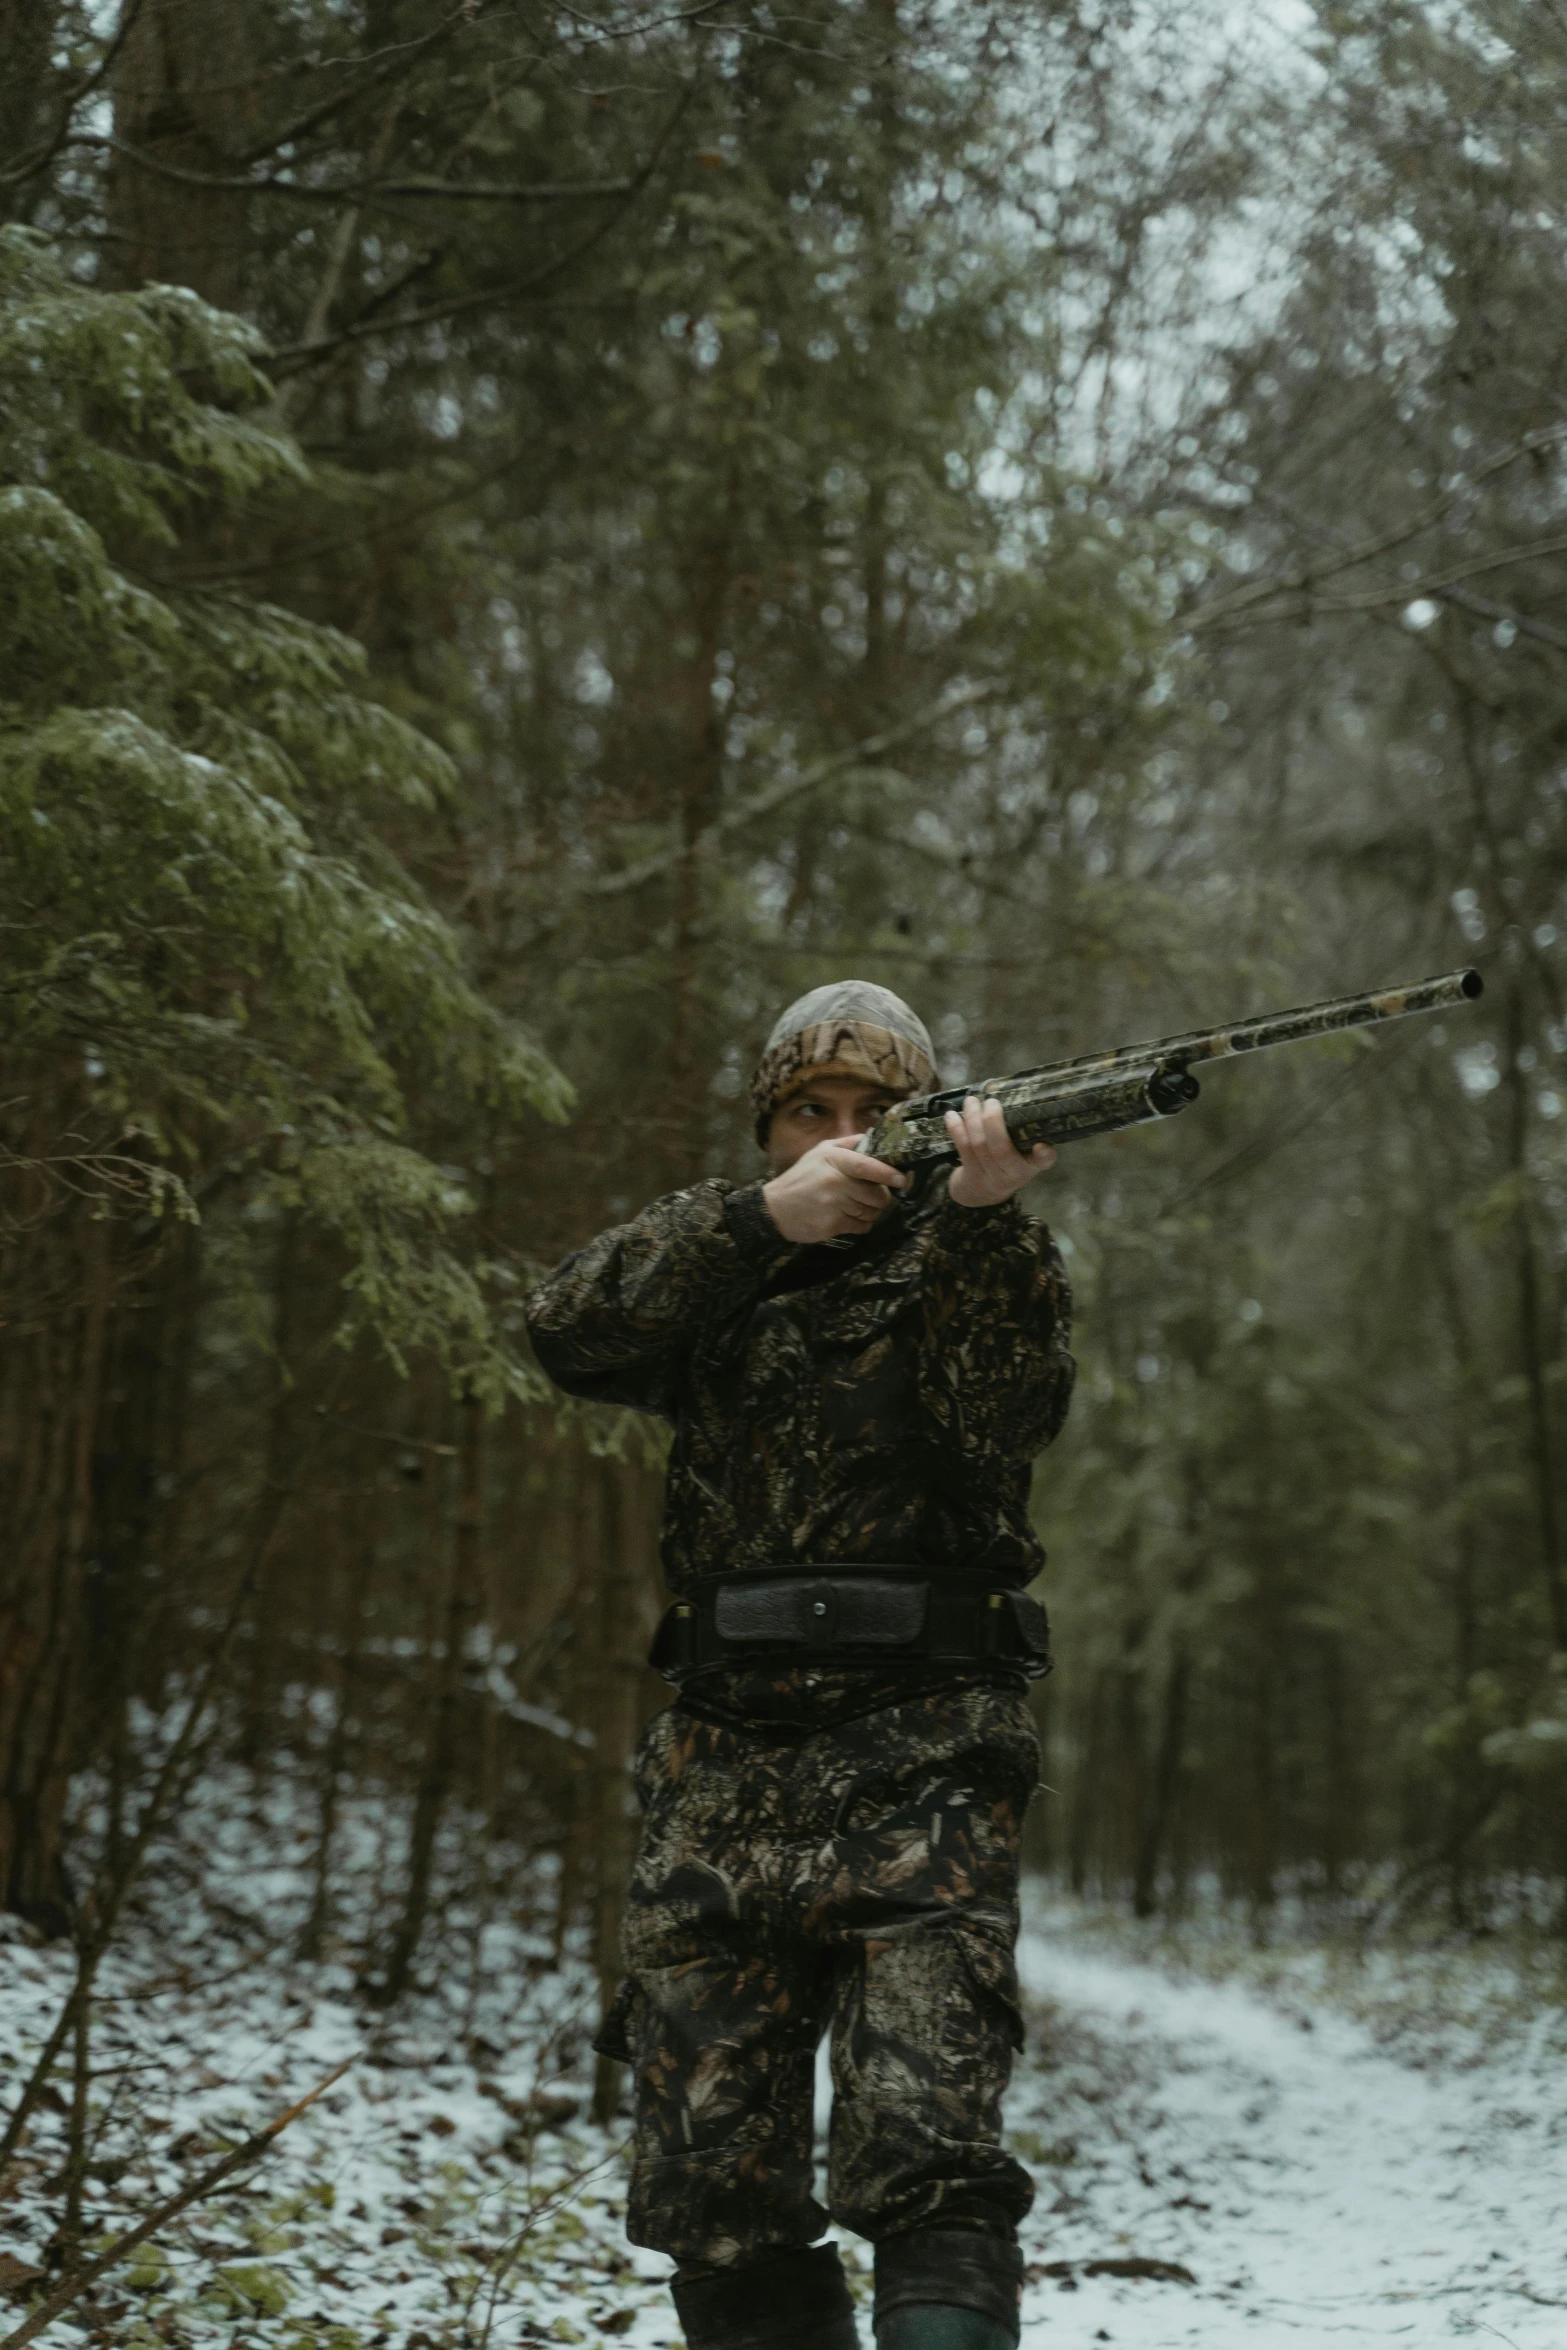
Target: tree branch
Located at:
point(484, 297)
point(1293, 602)
point(32, 165)
point(80, 2281)
point(778, 795)
point(402, 55)
point(351, 191)
point(101, 1911)
point(1303, 584)
point(1484, 609)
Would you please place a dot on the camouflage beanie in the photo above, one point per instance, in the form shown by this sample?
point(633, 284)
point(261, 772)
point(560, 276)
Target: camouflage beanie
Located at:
point(849, 1029)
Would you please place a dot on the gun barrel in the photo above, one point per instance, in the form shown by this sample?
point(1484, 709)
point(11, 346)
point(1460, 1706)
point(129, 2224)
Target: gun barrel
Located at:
point(1245, 1036)
point(1099, 1093)
point(1327, 1019)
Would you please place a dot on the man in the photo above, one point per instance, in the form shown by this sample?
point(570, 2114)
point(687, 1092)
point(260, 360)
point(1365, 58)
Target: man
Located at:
point(859, 1370)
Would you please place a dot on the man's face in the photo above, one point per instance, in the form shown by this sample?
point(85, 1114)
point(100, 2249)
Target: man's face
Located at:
point(826, 1109)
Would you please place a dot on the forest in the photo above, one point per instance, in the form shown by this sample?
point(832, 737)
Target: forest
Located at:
point(532, 535)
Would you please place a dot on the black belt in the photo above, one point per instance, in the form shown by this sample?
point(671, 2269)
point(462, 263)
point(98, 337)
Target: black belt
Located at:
point(853, 1615)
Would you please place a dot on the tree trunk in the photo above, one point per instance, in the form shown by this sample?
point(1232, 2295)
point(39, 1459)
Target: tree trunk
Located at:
point(334, 1754)
point(628, 1535)
point(56, 1373)
point(1159, 1809)
point(1542, 1449)
point(27, 32)
point(588, 1550)
point(267, 1668)
point(1130, 1777)
point(137, 1482)
point(1340, 1825)
point(1465, 1587)
point(186, 86)
point(701, 754)
point(1261, 1832)
point(1085, 1785)
point(435, 1785)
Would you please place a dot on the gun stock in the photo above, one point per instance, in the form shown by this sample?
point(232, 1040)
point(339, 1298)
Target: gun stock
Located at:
point(1099, 1093)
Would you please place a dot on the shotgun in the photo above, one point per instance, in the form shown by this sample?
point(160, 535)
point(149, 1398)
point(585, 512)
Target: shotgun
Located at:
point(1099, 1093)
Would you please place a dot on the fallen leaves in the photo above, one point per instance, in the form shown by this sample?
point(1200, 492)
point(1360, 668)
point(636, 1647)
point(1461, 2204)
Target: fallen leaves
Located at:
point(1136, 2265)
point(17, 2277)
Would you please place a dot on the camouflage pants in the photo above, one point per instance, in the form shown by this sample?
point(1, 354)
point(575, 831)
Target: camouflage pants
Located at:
point(861, 1878)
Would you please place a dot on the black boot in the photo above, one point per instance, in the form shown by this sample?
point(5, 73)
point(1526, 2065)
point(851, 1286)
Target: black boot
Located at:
point(947, 2289)
point(922, 2325)
point(795, 2301)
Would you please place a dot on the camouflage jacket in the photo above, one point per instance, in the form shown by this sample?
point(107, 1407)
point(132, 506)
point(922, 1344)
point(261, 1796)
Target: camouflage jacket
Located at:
point(881, 1399)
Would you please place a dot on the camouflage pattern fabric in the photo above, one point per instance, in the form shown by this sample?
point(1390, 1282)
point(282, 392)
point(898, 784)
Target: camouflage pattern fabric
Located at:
point(853, 1872)
point(847, 1029)
point(825, 1845)
point(880, 1399)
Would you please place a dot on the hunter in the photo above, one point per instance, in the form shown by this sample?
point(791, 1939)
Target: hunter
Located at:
point(859, 1369)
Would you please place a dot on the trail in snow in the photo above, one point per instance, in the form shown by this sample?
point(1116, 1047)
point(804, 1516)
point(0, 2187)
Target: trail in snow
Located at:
point(1318, 2187)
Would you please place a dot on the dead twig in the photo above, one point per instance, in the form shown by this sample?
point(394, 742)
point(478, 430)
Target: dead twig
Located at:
point(41, 157)
point(777, 795)
point(72, 2287)
point(1290, 591)
point(292, 357)
point(101, 1912)
point(353, 192)
point(507, 2255)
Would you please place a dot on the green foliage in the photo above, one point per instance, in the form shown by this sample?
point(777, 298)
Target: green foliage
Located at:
point(1537, 1746)
point(251, 2292)
point(131, 408)
point(147, 2270)
point(199, 918)
point(1065, 362)
point(1315, 1556)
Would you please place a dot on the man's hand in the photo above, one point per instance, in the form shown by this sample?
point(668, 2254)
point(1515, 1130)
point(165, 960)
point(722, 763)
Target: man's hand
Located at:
point(829, 1190)
point(992, 1167)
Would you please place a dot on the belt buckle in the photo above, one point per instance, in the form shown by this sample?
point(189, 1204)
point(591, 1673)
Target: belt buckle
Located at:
point(821, 1614)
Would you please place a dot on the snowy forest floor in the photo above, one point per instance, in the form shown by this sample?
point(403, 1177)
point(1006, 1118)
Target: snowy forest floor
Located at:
point(1335, 2147)
point(1287, 2147)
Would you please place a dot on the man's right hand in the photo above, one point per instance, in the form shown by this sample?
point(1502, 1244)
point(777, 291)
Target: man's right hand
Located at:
point(830, 1190)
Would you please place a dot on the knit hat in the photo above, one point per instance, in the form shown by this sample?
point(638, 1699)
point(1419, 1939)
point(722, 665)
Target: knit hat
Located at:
point(848, 1029)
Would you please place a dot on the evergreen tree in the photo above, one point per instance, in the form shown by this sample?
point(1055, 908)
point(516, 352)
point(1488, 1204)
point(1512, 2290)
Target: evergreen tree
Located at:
point(213, 975)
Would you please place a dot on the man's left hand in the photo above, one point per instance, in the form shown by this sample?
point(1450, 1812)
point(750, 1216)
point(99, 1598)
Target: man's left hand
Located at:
point(991, 1166)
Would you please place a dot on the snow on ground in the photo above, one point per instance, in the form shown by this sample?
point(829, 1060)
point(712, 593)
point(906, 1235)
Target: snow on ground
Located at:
point(1330, 2156)
point(1322, 2177)
point(448, 2191)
